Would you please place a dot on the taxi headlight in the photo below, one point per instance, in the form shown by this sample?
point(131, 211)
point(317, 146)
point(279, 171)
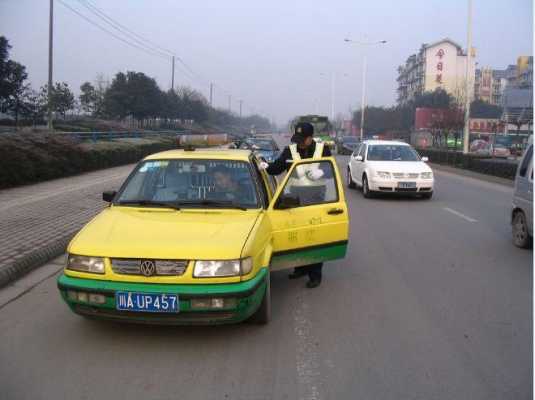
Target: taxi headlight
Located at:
point(383, 174)
point(426, 175)
point(94, 265)
point(208, 268)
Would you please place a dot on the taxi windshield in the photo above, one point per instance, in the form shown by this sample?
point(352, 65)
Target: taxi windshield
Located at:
point(191, 183)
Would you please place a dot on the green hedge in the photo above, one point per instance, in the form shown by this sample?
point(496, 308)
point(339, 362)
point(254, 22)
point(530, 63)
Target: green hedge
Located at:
point(29, 158)
point(482, 164)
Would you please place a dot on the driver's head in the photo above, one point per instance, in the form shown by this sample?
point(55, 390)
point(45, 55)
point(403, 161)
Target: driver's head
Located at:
point(223, 178)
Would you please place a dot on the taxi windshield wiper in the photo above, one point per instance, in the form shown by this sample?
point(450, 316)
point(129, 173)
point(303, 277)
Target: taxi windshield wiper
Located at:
point(149, 203)
point(214, 203)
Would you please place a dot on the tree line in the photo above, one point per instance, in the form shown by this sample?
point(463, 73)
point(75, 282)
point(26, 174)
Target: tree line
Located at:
point(131, 95)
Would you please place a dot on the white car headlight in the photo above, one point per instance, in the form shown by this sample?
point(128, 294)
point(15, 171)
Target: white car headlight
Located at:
point(426, 175)
point(209, 269)
point(94, 265)
point(383, 174)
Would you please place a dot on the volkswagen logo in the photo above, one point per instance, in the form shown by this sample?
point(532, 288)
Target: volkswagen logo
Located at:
point(147, 267)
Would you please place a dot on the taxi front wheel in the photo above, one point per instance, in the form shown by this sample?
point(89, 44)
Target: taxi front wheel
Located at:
point(263, 314)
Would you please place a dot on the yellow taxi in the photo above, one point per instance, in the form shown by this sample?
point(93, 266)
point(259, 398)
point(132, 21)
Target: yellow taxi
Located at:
point(192, 236)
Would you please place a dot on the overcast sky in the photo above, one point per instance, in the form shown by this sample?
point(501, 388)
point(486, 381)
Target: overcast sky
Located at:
point(275, 55)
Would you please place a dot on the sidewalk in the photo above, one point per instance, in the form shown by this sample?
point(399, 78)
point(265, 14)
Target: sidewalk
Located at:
point(37, 221)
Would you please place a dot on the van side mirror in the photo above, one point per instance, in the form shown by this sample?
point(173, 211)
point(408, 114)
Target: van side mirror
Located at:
point(286, 202)
point(108, 195)
point(425, 159)
point(359, 158)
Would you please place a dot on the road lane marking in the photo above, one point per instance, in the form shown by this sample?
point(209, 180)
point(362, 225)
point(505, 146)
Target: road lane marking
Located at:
point(307, 357)
point(465, 217)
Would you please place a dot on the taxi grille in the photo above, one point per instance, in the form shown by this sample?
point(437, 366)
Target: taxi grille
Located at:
point(132, 266)
point(401, 175)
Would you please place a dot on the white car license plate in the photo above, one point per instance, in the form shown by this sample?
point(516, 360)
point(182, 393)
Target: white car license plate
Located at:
point(406, 185)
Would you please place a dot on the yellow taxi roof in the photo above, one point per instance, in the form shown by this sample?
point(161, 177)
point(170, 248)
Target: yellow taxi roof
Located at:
point(220, 154)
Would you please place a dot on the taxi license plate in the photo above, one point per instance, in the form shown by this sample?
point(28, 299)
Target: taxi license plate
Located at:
point(147, 302)
point(406, 185)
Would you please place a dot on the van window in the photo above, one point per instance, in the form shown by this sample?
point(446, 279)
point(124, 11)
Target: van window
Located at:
point(525, 162)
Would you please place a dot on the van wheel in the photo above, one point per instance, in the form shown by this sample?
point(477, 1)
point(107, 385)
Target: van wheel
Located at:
point(521, 237)
point(263, 315)
point(350, 182)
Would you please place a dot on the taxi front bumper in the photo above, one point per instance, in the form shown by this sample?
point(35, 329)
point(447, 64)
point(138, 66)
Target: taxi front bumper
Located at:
point(246, 298)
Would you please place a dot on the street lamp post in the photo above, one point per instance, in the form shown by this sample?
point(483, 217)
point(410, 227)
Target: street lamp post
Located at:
point(364, 66)
point(466, 137)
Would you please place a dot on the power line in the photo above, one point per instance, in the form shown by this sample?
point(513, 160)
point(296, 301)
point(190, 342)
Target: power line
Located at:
point(115, 22)
point(137, 41)
point(125, 31)
point(151, 52)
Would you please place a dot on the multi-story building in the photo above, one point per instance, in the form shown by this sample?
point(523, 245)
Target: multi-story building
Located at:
point(489, 85)
point(438, 65)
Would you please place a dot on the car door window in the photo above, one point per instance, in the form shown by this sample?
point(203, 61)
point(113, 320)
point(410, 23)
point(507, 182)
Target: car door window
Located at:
point(302, 189)
point(356, 151)
point(362, 151)
point(526, 162)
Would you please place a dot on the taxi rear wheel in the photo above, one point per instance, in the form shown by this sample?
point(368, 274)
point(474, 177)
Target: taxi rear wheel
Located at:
point(263, 314)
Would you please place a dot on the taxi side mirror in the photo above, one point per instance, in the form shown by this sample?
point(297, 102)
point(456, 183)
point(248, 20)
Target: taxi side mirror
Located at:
point(425, 159)
point(359, 158)
point(108, 195)
point(286, 201)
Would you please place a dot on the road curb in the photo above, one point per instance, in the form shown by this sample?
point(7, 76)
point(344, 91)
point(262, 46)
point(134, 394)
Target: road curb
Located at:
point(472, 174)
point(33, 260)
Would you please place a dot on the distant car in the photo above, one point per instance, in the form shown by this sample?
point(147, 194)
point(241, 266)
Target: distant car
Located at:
point(389, 167)
point(522, 210)
point(263, 147)
point(347, 144)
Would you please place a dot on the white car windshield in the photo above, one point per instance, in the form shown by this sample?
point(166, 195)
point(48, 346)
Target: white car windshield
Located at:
point(387, 152)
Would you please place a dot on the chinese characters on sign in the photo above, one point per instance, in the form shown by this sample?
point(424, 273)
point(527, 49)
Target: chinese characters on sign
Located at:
point(440, 67)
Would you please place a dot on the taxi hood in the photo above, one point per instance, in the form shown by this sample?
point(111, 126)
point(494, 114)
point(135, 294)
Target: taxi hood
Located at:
point(124, 232)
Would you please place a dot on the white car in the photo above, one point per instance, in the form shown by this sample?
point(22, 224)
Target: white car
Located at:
point(380, 166)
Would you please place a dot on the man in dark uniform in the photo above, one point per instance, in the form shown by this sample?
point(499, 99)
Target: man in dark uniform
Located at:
point(306, 147)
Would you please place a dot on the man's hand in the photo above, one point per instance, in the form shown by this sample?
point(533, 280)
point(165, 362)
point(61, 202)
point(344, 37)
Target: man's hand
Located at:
point(314, 174)
point(263, 165)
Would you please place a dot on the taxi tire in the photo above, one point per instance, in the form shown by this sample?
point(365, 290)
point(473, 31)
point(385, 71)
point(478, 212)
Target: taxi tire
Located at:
point(263, 315)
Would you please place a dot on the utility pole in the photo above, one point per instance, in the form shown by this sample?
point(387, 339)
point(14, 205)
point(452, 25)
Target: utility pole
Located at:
point(241, 103)
point(173, 75)
point(211, 94)
point(466, 135)
point(50, 54)
point(362, 104)
point(333, 82)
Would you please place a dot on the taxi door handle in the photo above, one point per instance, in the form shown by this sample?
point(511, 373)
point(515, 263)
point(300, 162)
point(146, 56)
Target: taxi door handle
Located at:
point(334, 211)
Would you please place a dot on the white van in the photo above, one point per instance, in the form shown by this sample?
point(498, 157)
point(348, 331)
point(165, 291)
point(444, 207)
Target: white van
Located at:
point(522, 213)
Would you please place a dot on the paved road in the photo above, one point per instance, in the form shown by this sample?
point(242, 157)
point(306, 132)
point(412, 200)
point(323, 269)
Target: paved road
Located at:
point(432, 302)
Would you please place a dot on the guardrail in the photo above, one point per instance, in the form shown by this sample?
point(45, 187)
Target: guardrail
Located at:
point(95, 136)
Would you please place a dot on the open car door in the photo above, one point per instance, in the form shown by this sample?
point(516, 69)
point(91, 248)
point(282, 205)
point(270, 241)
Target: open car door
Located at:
point(309, 220)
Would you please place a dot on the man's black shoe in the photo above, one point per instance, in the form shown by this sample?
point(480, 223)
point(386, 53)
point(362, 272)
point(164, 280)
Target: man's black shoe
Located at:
point(297, 274)
point(311, 284)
